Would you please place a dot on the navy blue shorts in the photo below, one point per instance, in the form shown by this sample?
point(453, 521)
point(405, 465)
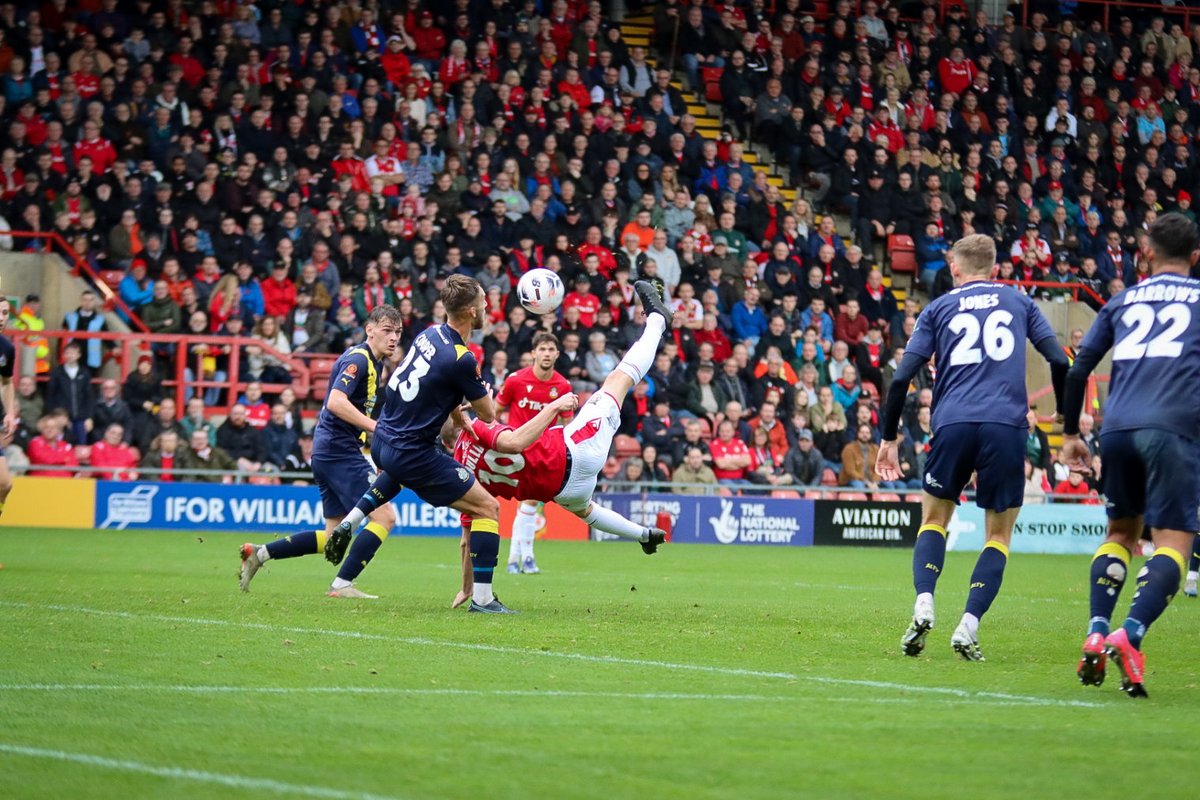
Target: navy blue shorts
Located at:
point(1151, 472)
point(342, 481)
point(436, 477)
point(995, 453)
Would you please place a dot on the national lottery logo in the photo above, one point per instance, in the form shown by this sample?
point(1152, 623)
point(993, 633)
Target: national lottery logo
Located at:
point(130, 508)
point(752, 523)
point(725, 527)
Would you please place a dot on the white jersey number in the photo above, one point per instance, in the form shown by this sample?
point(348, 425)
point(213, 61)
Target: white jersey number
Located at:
point(1176, 316)
point(497, 471)
point(408, 388)
point(998, 340)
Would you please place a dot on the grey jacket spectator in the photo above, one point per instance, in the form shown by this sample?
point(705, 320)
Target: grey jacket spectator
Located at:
point(805, 462)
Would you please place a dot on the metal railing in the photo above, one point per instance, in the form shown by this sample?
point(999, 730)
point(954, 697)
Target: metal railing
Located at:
point(182, 359)
point(151, 473)
point(79, 267)
point(1073, 288)
point(796, 491)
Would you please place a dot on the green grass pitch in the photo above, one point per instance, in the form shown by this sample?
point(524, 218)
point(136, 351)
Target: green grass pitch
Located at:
point(131, 667)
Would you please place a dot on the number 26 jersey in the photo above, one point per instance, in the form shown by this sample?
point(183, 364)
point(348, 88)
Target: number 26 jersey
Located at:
point(977, 333)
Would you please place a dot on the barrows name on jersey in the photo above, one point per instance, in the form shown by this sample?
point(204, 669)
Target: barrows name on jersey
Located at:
point(426, 347)
point(1160, 292)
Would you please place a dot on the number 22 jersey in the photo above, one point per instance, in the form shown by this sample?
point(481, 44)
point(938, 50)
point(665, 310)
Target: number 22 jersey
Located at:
point(1153, 329)
point(536, 473)
point(978, 333)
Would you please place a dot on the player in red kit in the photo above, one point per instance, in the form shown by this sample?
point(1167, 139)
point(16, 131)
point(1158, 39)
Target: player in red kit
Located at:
point(524, 394)
point(561, 463)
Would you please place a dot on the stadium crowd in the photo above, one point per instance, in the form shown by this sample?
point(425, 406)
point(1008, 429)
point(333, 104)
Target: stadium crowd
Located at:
point(277, 170)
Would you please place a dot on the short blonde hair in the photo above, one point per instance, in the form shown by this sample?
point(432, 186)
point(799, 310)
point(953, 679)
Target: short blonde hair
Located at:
point(975, 254)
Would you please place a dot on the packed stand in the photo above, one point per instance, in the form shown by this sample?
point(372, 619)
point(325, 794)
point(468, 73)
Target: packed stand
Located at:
point(278, 170)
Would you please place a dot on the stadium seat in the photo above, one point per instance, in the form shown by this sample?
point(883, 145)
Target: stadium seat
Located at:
point(724, 491)
point(788, 494)
point(829, 477)
point(712, 84)
point(852, 496)
point(813, 494)
point(887, 498)
point(112, 277)
point(611, 468)
point(902, 254)
point(626, 446)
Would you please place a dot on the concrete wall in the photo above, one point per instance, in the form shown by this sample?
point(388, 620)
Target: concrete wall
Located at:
point(1064, 318)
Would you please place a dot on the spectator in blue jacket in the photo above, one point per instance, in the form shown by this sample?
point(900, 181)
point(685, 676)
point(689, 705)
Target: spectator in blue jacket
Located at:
point(253, 304)
point(135, 288)
point(749, 321)
point(931, 254)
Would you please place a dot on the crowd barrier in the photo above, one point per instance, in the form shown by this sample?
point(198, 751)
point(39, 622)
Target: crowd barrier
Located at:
point(716, 520)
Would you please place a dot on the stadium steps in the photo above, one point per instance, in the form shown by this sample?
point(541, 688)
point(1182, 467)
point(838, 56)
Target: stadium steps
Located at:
point(639, 30)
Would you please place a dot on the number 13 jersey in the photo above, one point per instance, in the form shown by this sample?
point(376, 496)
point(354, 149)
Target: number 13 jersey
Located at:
point(977, 333)
point(1153, 329)
point(536, 473)
point(433, 379)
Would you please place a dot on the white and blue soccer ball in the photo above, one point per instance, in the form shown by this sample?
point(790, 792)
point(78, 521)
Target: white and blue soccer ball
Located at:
point(540, 291)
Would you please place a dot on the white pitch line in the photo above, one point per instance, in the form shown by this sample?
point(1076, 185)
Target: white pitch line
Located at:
point(957, 696)
point(593, 659)
point(240, 782)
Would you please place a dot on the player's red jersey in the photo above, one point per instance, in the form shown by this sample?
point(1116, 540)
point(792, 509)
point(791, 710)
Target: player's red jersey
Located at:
point(537, 473)
point(524, 394)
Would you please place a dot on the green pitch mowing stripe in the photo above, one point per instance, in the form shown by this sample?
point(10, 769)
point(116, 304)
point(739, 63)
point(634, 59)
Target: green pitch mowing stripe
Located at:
point(132, 667)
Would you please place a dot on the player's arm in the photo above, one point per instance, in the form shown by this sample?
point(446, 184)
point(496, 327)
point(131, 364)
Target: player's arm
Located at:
point(515, 441)
point(475, 390)
point(887, 464)
point(1046, 343)
point(1098, 341)
point(340, 406)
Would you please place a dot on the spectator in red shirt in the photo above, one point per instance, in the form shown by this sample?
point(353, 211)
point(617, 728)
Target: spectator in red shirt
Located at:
point(1076, 486)
point(583, 299)
point(258, 412)
point(850, 326)
point(50, 449)
point(95, 147)
point(165, 454)
point(279, 293)
point(112, 451)
point(955, 72)
point(395, 63)
point(430, 42)
point(731, 456)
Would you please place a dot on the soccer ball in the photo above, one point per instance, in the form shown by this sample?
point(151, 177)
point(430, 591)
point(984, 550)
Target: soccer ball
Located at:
point(540, 291)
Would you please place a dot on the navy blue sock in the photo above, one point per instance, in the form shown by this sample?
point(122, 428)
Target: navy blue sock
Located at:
point(381, 492)
point(485, 551)
point(362, 550)
point(304, 543)
point(1110, 567)
point(1157, 584)
point(929, 556)
point(986, 579)
point(1194, 561)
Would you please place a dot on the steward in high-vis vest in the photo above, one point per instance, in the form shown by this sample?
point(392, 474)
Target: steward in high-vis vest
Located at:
point(29, 319)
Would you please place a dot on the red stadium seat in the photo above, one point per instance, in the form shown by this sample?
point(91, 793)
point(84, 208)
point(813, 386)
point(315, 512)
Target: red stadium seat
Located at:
point(712, 84)
point(887, 498)
point(902, 254)
point(626, 446)
point(112, 277)
point(788, 494)
point(829, 477)
point(813, 494)
point(852, 496)
point(724, 491)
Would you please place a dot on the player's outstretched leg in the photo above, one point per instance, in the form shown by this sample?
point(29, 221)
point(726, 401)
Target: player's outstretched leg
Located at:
point(652, 301)
point(1193, 573)
point(514, 546)
point(381, 492)
point(985, 585)
point(1110, 566)
point(929, 556)
point(605, 519)
point(254, 556)
point(1157, 583)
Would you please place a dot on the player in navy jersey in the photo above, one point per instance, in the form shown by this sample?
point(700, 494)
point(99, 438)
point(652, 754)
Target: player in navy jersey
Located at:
point(8, 395)
point(340, 469)
point(977, 333)
point(1150, 467)
point(435, 376)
